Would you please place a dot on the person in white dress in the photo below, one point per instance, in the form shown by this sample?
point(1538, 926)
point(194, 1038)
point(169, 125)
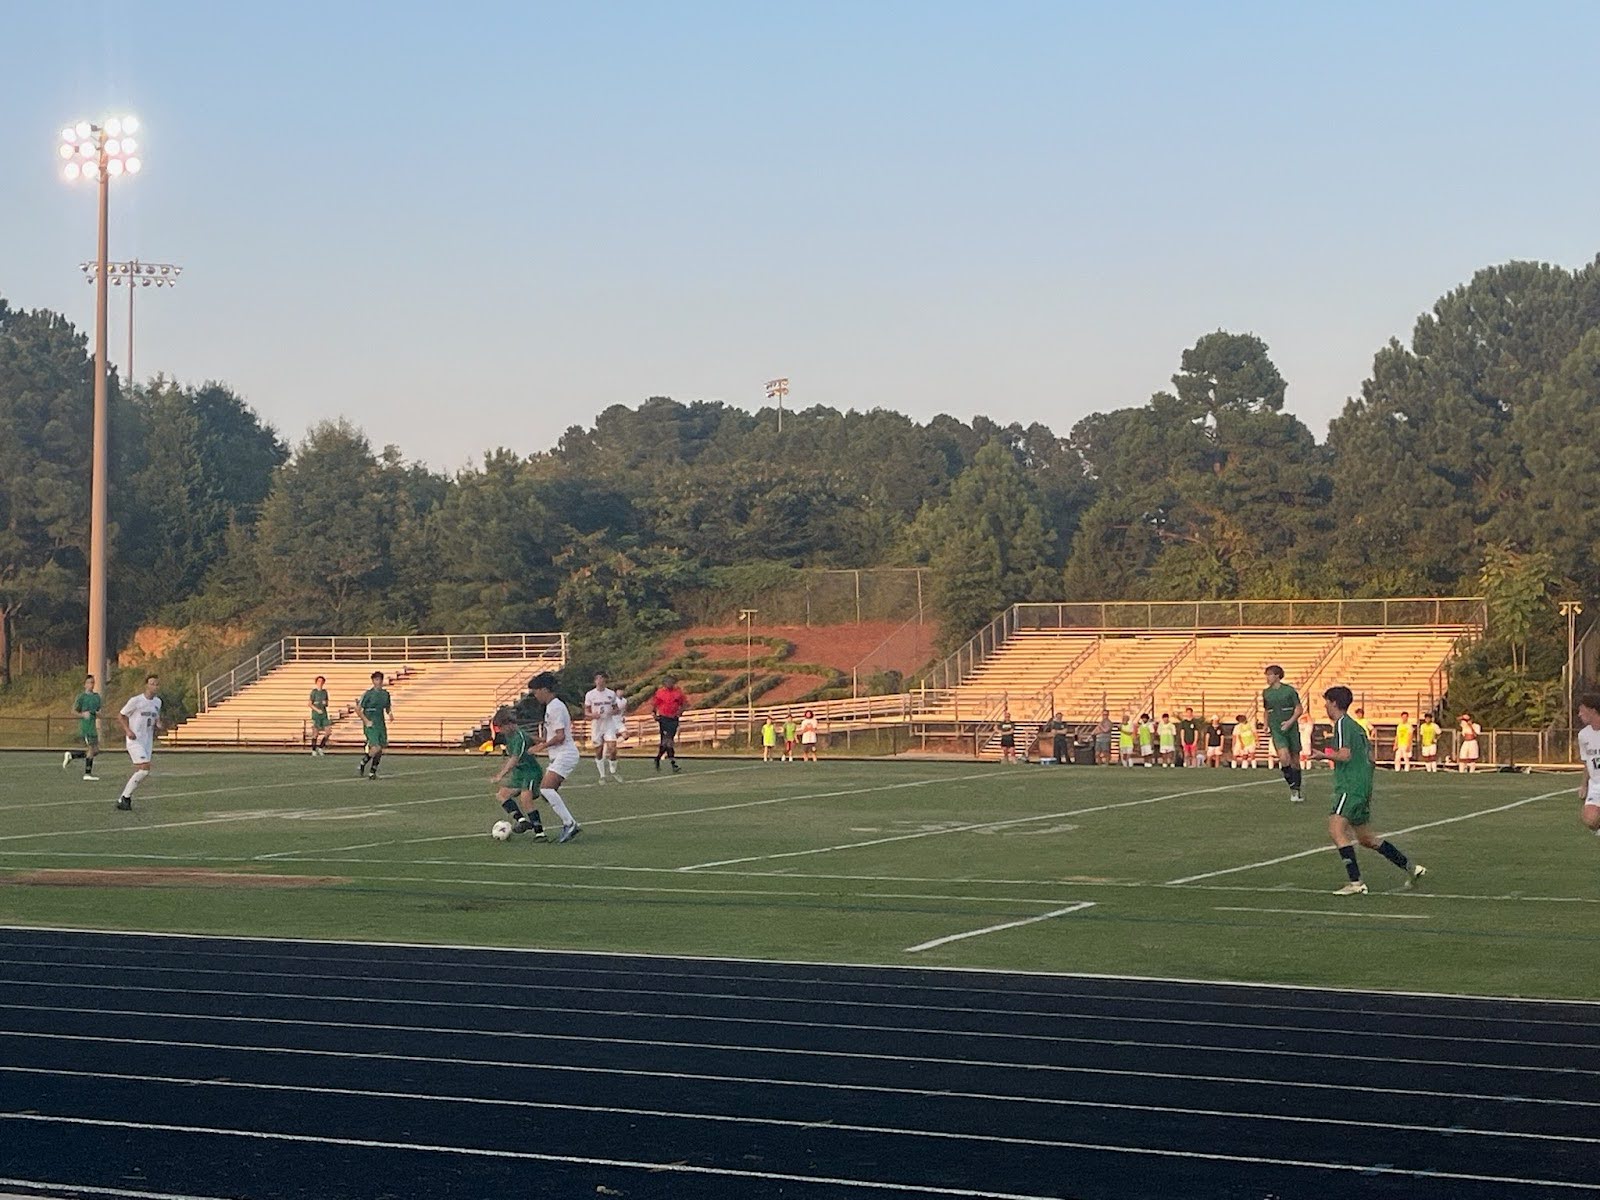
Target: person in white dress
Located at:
point(561, 747)
point(603, 707)
point(140, 719)
point(1589, 753)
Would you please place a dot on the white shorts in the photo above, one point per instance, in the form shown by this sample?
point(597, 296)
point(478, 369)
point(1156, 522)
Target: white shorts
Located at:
point(1430, 751)
point(138, 751)
point(1469, 751)
point(1402, 752)
point(603, 730)
point(564, 760)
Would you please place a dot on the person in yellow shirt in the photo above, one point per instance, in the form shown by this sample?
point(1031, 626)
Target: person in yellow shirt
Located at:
point(1428, 734)
point(1404, 733)
point(1244, 743)
point(769, 739)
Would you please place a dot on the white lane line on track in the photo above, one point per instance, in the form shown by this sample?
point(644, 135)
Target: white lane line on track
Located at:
point(1329, 912)
point(1119, 1106)
point(1323, 849)
point(781, 1177)
point(983, 825)
point(535, 956)
point(582, 1039)
point(745, 999)
point(74, 1191)
point(972, 933)
point(636, 1072)
point(652, 816)
point(876, 986)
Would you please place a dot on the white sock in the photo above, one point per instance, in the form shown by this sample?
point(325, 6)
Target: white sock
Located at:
point(135, 780)
point(557, 805)
point(611, 765)
point(600, 765)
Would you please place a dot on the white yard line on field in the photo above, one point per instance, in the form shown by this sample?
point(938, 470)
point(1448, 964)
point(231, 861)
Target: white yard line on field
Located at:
point(292, 855)
point(906, 837)
point(1329, 912)
point(1323, 849)
point(972, 933)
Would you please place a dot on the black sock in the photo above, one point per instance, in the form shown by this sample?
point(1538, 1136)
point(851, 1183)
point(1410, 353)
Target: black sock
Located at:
point(1392, 853)
point(512, 811)
point(376, 759)
point(1348, 853)
point(1295, 777)
point(365, 759)
point(88, 764)
point(1288, 775)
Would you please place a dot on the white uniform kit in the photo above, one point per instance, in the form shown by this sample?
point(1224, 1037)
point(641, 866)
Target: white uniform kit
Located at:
point(1589, 754)
point(142, 712)
point(564, 755)
point(606, 707)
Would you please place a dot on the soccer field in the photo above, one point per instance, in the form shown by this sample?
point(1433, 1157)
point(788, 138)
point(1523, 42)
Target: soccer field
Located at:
point(1170, 873)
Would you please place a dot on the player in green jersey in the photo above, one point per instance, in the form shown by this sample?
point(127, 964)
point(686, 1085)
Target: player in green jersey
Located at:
point(1281, 704)
point(1349, 820)
point(519, 776)
point(87, 709)
point(321, 724)
point(376, 708)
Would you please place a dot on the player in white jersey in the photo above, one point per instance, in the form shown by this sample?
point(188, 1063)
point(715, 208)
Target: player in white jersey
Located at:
point(562, 748)
point(1589, 752)
point(603, 707)
point(140, 719)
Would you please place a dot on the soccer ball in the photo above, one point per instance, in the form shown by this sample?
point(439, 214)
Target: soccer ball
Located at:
point(501, 831)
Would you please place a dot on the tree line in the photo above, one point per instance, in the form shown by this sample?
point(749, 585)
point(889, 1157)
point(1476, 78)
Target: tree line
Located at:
point(1465, 462)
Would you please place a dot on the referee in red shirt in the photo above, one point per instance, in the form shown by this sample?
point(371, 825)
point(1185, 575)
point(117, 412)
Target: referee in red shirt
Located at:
point(668, 704)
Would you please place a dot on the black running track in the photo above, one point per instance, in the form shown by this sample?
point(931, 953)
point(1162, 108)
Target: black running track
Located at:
point(162, 1066)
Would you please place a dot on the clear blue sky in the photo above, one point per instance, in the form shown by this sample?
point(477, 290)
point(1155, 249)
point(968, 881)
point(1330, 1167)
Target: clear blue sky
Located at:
point(471, 224)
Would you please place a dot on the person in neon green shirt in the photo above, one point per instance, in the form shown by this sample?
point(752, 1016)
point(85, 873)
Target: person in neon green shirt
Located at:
point(1404, 734)
point(1125, 741)
point(769, 739)
point(1428, 735)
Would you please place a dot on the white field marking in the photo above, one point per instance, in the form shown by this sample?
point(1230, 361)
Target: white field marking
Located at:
point(780, 1177)
point(972, 933)
point(253, 787)
point(742, 998)
point(655, 1168)
point(71, 1191)
point(503, 1063)
point(614, 1040)
point(984, 825)
point(1330, 912)
point(537, 952)
point(258, 814)
point(1271, 862)
point(746, 997)
point(677, 812)
point(489, 1101)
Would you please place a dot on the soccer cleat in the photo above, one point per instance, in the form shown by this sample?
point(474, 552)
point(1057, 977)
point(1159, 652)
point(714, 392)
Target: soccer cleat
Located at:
point(361, 770)
point(1296, 798)
point(91, 779)
point(66, 760)
point(1352, 889)
point(1416, 874)
point(568, 832)
point(676, 769)
point(125, 804)
point(372, 775)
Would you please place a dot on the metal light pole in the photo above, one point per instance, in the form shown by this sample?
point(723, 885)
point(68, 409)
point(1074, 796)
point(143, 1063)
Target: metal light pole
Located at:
point(777, 389)
point(1570, 610)
point(136, 275)
point(99, 153)
point(748, 616)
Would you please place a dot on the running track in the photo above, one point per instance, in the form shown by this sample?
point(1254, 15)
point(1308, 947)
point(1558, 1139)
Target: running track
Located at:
point(137, 1065)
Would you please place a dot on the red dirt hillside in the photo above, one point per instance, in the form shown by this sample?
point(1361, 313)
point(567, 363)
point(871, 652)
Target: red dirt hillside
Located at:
point(839, 646)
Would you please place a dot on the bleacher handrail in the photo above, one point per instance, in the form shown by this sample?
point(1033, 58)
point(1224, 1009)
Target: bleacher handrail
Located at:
point(1094, 647)
point(1174, 616)
point(977, 649)
point(1190, 646)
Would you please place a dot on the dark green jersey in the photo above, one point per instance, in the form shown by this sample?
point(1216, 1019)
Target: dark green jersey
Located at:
point(1189, 731)
point(1352, 778)
point(319, 699)
point(1280, 700)
point(374, 703)
point(87, 705)
point(519, 749)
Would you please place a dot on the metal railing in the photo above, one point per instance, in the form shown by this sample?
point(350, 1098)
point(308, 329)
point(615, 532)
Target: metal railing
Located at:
point(1466, 612)
point(978, 648)
point(453, 647)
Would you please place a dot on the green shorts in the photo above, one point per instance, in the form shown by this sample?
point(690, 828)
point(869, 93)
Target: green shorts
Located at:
point(375, 735)
point(1355, 809)
point(319, 720)
point(1285, 739)
point(525, 779)
point(89, 730)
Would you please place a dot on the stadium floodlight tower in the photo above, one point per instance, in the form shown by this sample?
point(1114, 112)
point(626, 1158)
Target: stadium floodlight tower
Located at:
point(98, 154)
point(777, 389)
point(135, 275)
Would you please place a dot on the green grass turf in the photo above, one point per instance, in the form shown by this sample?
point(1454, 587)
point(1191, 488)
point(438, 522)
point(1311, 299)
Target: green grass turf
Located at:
point(1510, 906)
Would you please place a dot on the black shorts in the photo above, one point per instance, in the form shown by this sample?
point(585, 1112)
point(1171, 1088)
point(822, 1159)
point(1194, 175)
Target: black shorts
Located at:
point(1007, 741)
point(669, 727)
